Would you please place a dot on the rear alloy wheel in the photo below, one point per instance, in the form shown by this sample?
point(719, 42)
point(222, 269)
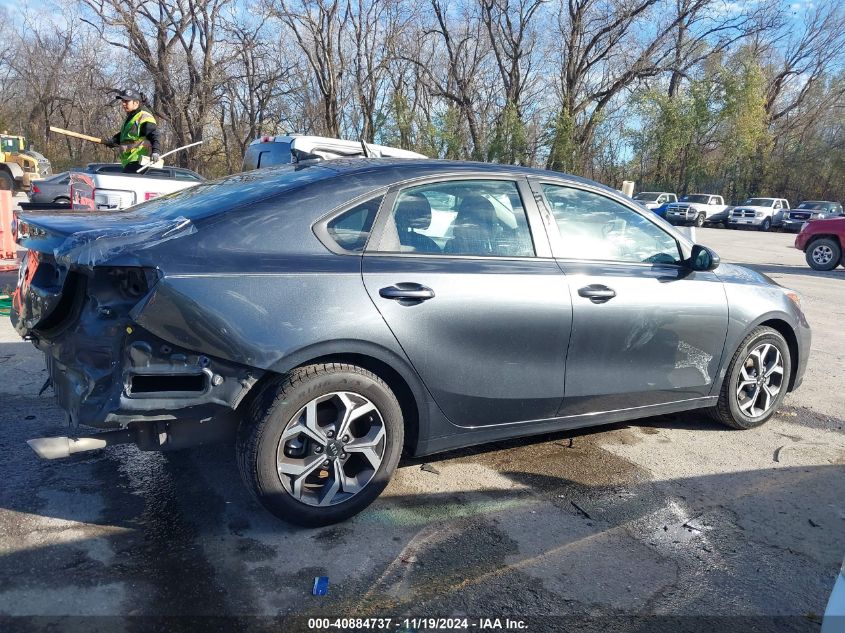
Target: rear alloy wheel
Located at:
point(699, 220)
point(823, 254)
point(320, 444)
point(757, 380)
point(767, 224)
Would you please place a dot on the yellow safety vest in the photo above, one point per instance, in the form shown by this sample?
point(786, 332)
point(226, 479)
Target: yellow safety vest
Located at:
point(130, 138)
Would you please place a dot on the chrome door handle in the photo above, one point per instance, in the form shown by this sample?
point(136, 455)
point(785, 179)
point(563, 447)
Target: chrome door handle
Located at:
point(597, 293)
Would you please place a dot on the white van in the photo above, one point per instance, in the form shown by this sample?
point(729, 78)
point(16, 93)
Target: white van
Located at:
point(268, 151)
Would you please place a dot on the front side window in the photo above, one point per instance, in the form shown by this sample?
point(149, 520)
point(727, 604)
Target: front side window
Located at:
point(459, 217)
point(351, 229)
point(593, 227)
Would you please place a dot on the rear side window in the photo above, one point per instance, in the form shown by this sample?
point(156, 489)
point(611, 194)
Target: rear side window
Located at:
point(459, 217)
point(351, 229)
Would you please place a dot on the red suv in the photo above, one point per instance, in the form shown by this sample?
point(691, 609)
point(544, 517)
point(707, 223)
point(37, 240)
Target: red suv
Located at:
point(821, 241)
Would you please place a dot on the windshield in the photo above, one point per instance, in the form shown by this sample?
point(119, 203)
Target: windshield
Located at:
point(760, 202)
point(696, 198)
point(244, 189)
point(647, 196)
point(815, 205)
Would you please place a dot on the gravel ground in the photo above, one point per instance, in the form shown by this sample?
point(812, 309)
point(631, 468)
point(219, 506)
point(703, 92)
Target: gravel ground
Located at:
point(671, 523)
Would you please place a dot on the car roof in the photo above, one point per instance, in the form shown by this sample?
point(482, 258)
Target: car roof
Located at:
point(423, 167)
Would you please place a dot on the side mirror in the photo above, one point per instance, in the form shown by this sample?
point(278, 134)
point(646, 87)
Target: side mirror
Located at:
point(702, 258)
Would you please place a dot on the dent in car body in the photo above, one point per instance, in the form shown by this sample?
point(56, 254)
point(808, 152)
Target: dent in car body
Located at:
point(252, 290)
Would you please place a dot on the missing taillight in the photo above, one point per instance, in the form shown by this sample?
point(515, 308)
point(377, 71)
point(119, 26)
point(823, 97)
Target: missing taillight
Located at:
point(133, 283)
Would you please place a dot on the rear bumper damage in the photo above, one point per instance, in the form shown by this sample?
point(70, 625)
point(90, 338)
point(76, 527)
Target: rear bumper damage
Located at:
point(115, 375)
point(81, 291)
point(120, 374)
point(109, 373)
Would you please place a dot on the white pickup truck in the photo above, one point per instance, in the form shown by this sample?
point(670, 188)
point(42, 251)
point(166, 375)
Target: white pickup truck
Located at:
point(762, 213)
point(112, 189)
point(268, 151)
point(697, 209)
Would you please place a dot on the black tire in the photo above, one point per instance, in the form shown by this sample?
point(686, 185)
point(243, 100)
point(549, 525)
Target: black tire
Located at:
point(62, 200)
point(6, 181)
point(699, 220)
point(727, 410)
point(823, 253)
point(766, 225)
point(275, 406)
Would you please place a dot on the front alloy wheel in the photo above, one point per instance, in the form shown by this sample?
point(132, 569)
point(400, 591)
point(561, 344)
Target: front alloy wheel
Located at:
point(757, 380)
point(760, 380)
point(319, 444)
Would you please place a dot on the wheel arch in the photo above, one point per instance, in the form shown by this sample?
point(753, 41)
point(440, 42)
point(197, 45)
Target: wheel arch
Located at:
point(395, 371)
point(788, 333)
point(822, 236)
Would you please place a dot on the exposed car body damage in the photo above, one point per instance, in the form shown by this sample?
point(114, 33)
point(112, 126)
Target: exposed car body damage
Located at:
point(171, 313)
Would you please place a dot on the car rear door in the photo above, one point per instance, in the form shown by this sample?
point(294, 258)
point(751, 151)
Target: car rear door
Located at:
point(645, 329)
point(461, 271)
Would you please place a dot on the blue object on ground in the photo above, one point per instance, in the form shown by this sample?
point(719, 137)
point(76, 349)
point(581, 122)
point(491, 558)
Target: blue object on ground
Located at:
point(321, 586)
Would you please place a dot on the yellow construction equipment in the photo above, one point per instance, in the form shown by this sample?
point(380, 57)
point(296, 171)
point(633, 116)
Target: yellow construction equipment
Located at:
point(19, 165)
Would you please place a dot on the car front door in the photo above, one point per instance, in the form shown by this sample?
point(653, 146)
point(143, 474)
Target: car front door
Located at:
point(461, 270)
point(646, 330)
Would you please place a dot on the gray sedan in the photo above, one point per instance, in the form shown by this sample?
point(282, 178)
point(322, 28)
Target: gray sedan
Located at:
point(55, 189)
point(335, 314)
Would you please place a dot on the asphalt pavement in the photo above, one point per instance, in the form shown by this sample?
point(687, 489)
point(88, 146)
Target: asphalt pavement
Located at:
point(672, 523)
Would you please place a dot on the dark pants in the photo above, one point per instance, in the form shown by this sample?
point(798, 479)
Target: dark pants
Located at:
point(132, 168)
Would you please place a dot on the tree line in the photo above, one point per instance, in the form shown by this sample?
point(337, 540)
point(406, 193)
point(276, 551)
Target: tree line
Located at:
point(738, 98)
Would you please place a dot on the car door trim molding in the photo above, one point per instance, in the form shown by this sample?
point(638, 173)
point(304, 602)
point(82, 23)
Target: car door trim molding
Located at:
point(704, 400)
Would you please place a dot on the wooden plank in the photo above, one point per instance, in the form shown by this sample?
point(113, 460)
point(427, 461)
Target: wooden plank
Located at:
point(84, 137)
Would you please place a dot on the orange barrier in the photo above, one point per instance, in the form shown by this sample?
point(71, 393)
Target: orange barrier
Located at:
point(8, 248)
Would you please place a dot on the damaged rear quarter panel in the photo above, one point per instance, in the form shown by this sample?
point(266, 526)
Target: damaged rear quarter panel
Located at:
point(260, 319)
point(254, 285)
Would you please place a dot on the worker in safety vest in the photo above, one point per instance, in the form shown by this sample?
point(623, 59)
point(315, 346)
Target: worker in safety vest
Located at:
point(138, 137)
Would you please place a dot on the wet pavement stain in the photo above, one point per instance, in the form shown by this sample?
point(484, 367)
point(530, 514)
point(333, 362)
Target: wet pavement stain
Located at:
point(807, 417)
point(159, 557)
point(177, 534)
point(252, 551)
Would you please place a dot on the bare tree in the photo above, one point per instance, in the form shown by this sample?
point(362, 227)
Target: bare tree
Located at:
point(255, 80)
point(318, 27)
point(510, 27)
point(176, 42)
point(707, 29)
point(808, 54)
